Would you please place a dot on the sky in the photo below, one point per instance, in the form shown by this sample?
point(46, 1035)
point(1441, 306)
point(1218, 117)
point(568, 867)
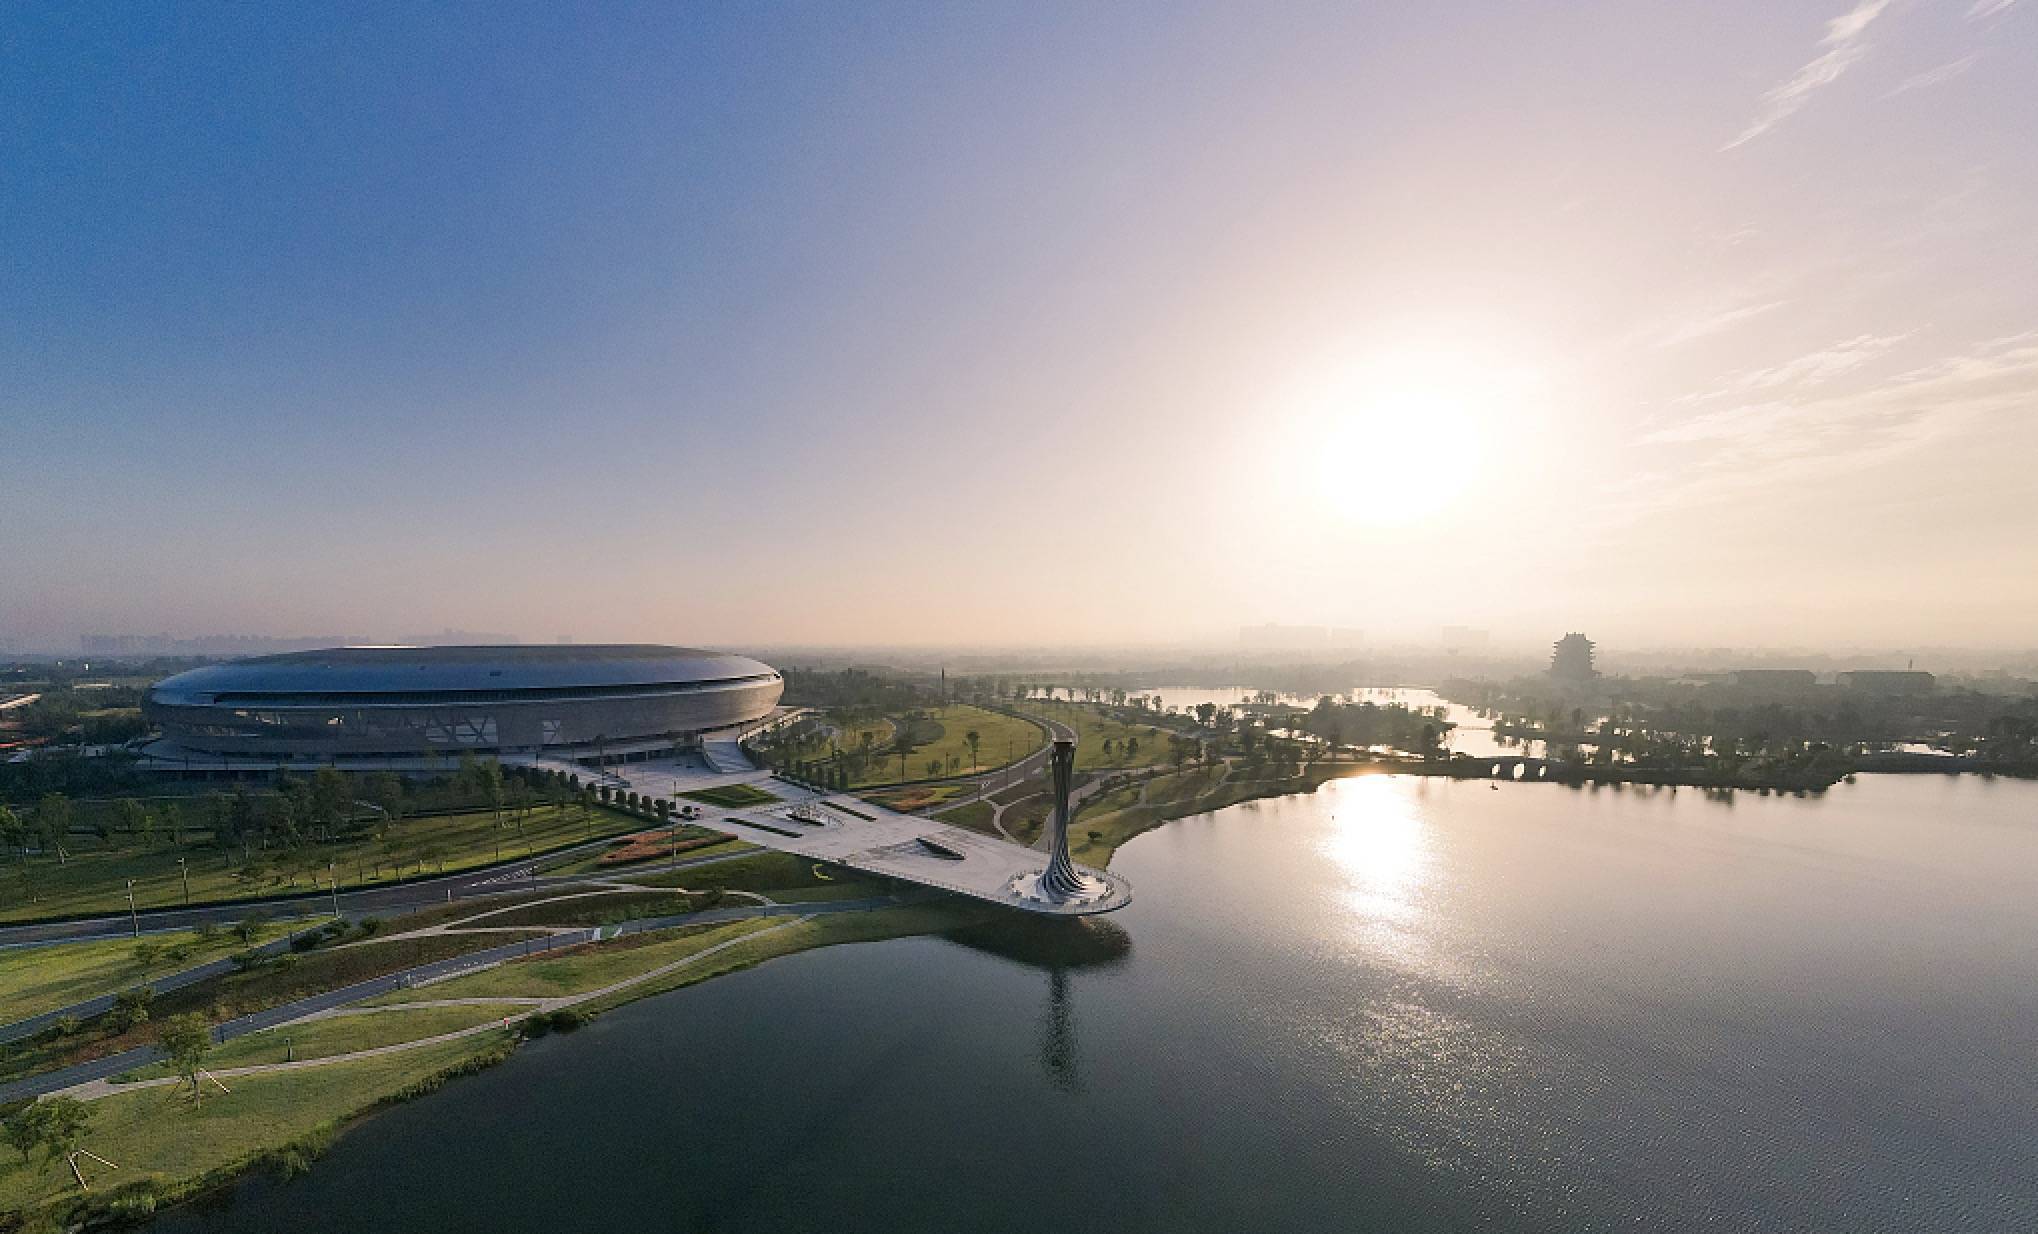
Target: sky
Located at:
point(1683, 324)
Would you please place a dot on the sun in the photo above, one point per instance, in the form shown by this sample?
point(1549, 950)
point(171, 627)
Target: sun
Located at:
point(1399, 440)
point(1397, 457)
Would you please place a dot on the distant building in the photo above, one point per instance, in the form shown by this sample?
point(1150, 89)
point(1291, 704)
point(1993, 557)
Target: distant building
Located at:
point(1774, 678)
point(1571, 659)
point(1889, 682)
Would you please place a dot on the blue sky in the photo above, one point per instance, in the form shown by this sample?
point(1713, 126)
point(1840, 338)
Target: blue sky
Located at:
point(861, 323)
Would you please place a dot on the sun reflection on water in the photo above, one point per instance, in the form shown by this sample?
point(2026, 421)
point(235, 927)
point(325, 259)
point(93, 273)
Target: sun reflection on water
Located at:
point(1380, 844)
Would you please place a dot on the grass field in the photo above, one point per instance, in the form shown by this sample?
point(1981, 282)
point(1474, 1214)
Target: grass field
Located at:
point(96, 882)
point(34, 980)
point(1002, 739)
point(920, 797)
point(579, 969)
point(167, 1148)
point(767, 871)
point(340, 1034)
point(586, 910)
point(164, 1144)
point(824, 931)
point(224, 997)
point(593, 863)
point(1094, 727)
point(975, 815)
point(730, 796)
point(1105, 823)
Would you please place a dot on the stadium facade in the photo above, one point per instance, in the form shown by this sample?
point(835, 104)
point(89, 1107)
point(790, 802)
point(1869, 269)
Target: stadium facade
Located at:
point(407, 702)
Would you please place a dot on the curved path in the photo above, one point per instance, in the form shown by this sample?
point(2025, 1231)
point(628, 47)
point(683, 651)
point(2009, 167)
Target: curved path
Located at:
point(348, 909)
point(92, 1090)
point(127, 1060)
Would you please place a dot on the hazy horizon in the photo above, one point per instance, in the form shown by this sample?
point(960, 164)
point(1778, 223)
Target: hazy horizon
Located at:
point(1015, 326)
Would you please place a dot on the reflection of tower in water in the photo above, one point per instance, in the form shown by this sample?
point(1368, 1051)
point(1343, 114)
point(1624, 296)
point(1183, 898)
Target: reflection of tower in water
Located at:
point(1059, 949)
point(1058, 1035)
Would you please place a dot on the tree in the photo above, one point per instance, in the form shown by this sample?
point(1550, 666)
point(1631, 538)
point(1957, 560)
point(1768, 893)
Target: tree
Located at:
point(53, 823)
point(186, 1040)
point(133, 819)
point(64, 1121)
point(23, 1131)
point(241, 822)
point(131, 1007)
point(975, 739)
point(13, 832)
point(491, 788)
point(329, 800)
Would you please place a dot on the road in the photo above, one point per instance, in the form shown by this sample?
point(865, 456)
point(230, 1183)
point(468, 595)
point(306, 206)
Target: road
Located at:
point(95, 1006)
point(140, 1056)
point(367, 902)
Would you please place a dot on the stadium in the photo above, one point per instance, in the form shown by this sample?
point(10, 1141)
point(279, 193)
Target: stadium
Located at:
point(410, 702)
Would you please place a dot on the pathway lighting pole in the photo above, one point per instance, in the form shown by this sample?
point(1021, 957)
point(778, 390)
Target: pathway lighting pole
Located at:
point(186, 872)
point(133, 919)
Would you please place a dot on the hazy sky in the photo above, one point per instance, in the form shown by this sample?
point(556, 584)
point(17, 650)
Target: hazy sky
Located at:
point(1704, 322)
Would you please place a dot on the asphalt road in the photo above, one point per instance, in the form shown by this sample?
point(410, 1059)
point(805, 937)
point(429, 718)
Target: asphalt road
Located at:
point(367, 902)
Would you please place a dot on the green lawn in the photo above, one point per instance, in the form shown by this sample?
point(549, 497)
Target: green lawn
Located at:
point(602, 908)
point(164, 1144)
point(592, 863)
point(731, 796)
point(579, 969)
point(1094, 726)
point(34, 980)
point(1002, 739)
point(222, 998)
point(975, 815)
point(767, 871)
point(166, 1147)
point(824, 931)
point(96, 882)
point(340, 1034)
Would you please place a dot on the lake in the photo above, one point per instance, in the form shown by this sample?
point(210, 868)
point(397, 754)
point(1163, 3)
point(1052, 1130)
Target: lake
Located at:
point(1394, 1004)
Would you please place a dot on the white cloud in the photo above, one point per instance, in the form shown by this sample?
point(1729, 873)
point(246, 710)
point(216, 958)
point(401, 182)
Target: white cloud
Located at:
point(1843, 44)
point(1802, 372)
point(1763, 446)
point(1933, 77)
point(1713, 323)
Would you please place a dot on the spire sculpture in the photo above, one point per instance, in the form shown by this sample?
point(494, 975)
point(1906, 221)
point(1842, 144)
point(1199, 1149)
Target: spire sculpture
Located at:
point(1060, 878)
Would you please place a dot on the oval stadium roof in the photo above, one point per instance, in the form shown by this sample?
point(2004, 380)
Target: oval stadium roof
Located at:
point(373, 670)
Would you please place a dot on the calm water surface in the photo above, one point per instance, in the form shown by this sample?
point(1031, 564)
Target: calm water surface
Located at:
point(1395, 1004)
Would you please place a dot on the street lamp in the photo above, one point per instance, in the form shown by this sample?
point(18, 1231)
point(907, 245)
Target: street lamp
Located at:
point(333, 878)
point(134, 920)
point(186, 872)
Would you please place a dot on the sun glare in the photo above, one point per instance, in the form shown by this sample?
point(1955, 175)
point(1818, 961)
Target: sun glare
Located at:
point(1398, 442)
